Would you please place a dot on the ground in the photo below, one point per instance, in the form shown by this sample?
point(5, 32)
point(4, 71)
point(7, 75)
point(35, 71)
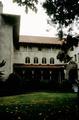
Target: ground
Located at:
point(40, 105)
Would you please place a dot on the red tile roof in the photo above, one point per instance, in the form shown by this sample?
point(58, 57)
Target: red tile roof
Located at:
point(40, 40)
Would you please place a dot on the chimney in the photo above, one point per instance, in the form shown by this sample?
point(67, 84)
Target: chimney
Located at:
point(1, 7)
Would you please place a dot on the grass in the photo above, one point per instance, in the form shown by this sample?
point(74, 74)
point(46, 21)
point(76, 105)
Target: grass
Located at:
point(37, 98)
point(40, 106)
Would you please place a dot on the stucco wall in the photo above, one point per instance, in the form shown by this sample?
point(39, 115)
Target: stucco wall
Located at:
point(23, 52)
point(74, 52)
point(6, 47)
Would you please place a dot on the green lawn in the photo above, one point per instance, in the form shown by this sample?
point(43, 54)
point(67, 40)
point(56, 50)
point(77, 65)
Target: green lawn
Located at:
point(37, 98)
point(40, 106)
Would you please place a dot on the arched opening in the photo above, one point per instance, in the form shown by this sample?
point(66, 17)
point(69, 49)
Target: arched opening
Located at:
point(43, 60)
point(27, 60)
point(35, 60)
point(51, 60)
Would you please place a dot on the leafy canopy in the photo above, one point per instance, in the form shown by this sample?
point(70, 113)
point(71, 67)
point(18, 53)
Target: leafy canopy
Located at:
point(62, 12)
point(28, 4)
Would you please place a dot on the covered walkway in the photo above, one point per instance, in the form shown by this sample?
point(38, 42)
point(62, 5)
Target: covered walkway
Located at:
point(40, 72)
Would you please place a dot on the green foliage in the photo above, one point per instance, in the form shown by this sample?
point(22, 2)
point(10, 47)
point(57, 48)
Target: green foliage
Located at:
point(62, 12)
point(1, 65)
point(63, 56)
point(67, 44)
point(28, 4)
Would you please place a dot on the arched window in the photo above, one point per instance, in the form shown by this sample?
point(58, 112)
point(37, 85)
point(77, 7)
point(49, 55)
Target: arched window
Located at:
point(27, 60)
point(75, 57)
point(35, 60)
point(51, 60)
point(43, 60)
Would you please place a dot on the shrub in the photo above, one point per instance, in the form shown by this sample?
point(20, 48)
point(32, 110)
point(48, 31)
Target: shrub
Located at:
point(14, 83)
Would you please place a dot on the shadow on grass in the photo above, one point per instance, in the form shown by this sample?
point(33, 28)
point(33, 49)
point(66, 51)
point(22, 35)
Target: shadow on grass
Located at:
point(66, 110)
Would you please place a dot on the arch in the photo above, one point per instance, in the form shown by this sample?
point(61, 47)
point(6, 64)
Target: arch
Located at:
point(27, 60)
point(35, 60)
point(51, 60)
point(43, 60)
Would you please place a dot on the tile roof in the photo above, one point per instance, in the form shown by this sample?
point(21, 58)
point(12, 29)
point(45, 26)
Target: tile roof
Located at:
point(40, 40)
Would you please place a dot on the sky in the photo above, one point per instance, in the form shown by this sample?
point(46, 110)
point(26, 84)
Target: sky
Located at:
point(31, 23)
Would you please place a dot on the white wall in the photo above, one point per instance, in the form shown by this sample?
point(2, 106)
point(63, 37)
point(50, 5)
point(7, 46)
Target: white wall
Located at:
point(6, 48)
point(22, 53)
point(74, 52)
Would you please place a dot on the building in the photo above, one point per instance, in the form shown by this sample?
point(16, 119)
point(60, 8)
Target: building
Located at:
point(36, 59)
point(74, 53)
point(9, 35)
point(32, 57)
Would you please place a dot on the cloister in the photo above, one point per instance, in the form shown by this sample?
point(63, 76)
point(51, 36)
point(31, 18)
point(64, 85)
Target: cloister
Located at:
point(40, 72)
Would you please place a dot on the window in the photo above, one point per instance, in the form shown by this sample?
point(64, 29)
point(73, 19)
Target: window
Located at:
point(27, 60)
point(75, 57)
point(43, 60)
point(52, 60)
point(35, 60)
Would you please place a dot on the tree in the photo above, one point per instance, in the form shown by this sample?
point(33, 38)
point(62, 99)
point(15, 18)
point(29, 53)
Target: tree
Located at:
point(62, 12)
point(28, 4)
point(1, 65)
point(67, 44)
